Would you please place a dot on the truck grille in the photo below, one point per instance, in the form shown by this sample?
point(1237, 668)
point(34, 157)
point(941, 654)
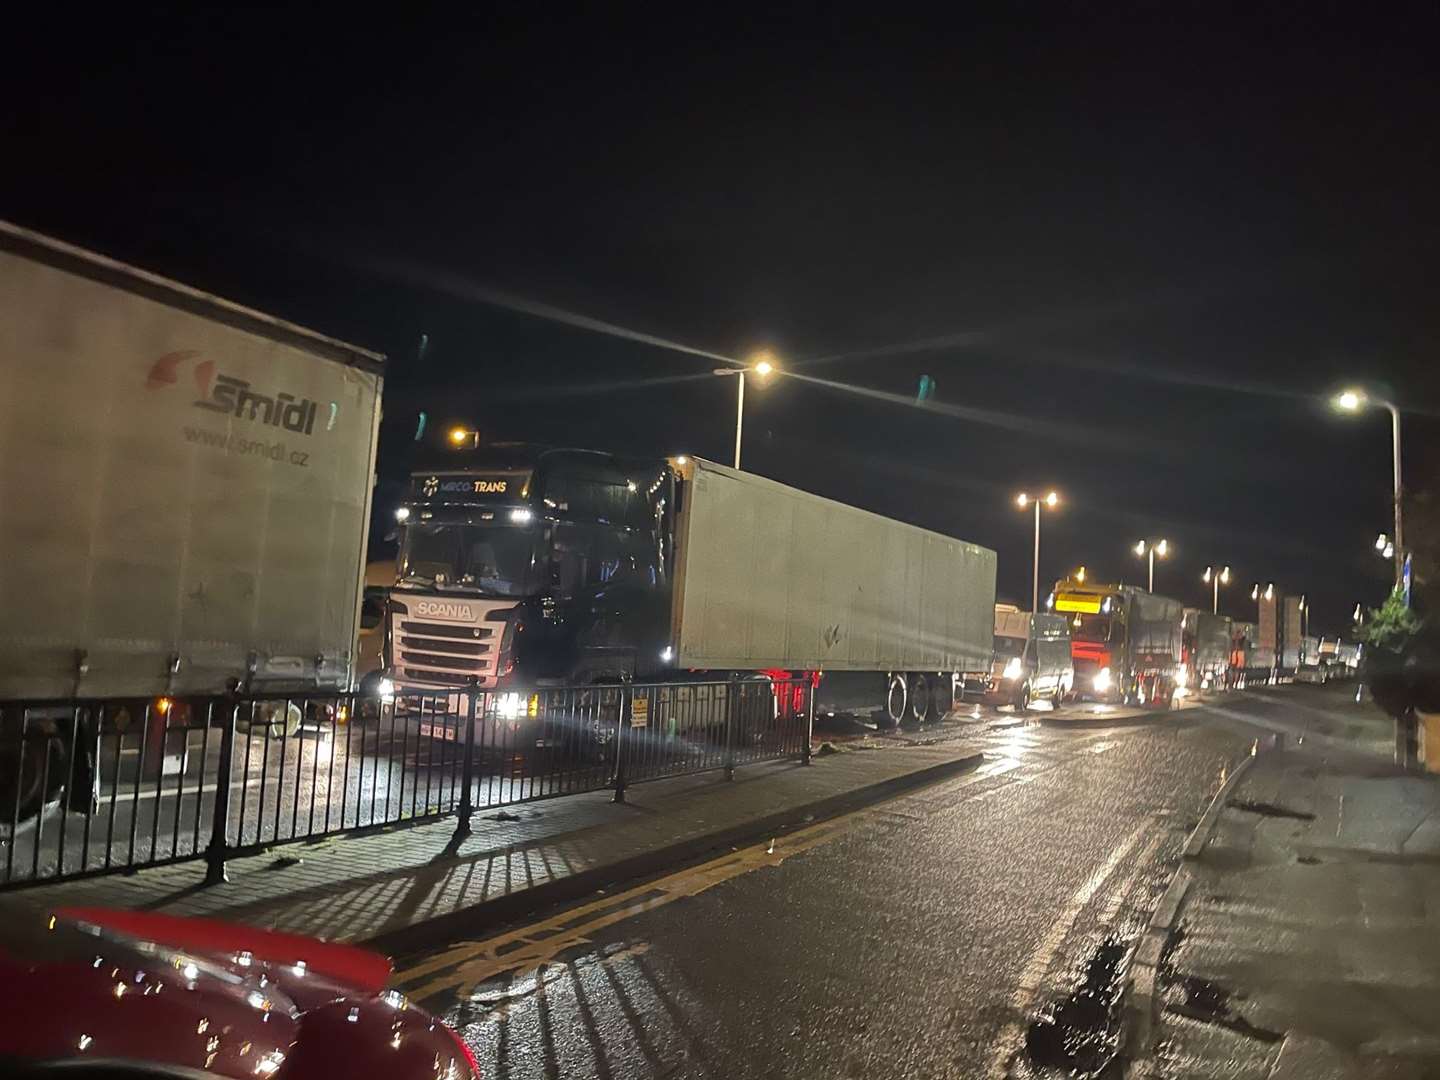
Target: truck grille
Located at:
point(446, 654)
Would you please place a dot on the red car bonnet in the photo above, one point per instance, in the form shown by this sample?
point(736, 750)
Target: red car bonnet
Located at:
point(347, 965)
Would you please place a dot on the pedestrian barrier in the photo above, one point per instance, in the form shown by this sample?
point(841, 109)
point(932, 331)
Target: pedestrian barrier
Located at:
point(95, 786)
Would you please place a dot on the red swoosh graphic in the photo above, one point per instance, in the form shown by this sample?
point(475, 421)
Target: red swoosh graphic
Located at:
point(164, 371)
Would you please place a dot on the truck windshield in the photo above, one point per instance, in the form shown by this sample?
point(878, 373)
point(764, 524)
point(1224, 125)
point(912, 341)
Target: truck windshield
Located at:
point(496, 560)
point(1090, 628)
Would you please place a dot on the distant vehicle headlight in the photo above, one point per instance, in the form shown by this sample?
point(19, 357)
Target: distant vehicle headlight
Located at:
point(509, 706)
point(1014, 669)
point(1182, 676)
point(1101, 682)
point(385, 688)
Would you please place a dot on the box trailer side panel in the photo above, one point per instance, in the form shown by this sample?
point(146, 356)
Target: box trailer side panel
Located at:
point(773, 577)
point(1212, 640)
point(177, 486)
point(1156, 624)
point(1267, 630)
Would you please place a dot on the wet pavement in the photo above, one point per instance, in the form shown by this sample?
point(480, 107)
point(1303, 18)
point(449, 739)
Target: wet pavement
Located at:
point(974, 928)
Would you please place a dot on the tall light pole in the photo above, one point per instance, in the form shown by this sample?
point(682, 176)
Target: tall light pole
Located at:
point(1216, 578)
point(1051, 501)
point(762, 366)
point(1153, 548)
point(1352, 401)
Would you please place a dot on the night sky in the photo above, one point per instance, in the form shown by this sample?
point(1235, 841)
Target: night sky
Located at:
point(1134, 254)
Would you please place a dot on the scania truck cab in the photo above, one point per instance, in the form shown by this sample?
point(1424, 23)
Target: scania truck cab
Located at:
point(530, 566)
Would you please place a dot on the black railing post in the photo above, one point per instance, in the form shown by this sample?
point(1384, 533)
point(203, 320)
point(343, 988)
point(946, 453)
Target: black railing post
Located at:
point(219, 848)
point(467, 768)
point(809, 721)
point(731, 715)
point(622, 722)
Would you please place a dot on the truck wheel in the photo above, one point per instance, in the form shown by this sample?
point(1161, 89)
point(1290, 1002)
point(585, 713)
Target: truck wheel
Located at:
point(1022, 698)
point(919, 698)
point(1057, 699)
point(23, 777)
point(942, 696)
point(896, 698)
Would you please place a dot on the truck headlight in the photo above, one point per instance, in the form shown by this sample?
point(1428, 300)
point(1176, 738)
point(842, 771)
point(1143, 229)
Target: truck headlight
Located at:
point(1182, 677)
point(1101, 682)
point(1014, 669)
point(385, 688)
point(509, 706)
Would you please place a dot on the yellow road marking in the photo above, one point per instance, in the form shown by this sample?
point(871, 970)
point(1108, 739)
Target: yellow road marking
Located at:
point(462, 967)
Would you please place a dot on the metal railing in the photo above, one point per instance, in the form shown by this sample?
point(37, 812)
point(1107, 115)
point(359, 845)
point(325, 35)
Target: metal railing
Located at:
point(94, 786)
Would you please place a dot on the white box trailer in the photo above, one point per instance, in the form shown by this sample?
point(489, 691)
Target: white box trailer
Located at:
point(184, 485)
point(771, 577)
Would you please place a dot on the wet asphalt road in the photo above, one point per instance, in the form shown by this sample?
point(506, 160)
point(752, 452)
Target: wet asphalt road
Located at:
point(919, 937)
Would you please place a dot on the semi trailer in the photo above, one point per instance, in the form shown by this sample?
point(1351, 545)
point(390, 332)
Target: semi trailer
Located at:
point(523, 566)
point(184, 496)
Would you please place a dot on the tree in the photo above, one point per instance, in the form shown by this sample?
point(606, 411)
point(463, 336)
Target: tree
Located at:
point(1392, 626)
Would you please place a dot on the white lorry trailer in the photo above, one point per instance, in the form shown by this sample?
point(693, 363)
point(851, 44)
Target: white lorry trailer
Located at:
point(184, 485)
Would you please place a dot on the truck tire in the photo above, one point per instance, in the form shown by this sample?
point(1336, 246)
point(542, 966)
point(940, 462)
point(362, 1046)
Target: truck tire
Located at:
point(1022, 698)
point(896, 698)
point(942, 696)
point(22, 781)
point(919, 695)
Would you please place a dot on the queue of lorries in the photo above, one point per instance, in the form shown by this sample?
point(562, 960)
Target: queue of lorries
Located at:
point(187, 486)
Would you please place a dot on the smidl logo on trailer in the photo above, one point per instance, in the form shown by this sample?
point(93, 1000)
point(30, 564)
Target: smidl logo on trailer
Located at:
point(234, 397)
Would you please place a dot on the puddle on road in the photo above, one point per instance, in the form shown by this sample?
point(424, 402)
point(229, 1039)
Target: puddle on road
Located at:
point(1209, 1003)
point(1080, 1036)
point(1266, 809)
point(1205, 1000)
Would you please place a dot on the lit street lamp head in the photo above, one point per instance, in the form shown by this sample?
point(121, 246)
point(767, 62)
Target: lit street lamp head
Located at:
point(1349, 401)
point(1225, 576)
point(1162, 548)
point(1205, 577)
point(1139, 547)
point(1022, 500)
point(1052, 500)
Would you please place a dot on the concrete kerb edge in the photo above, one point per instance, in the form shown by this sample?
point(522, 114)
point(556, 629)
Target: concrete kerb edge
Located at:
point(489, 915)
point(1141, 990)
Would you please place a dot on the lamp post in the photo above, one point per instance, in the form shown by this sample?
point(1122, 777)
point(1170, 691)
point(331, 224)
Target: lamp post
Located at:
point(1216, 578)
point(1023, 500)
point(1352, 401)
point(762, 366)
point(1153, 548)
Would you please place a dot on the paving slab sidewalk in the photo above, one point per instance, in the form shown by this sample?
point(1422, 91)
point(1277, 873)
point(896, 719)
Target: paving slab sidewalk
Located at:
point(1309, 941)
point(412, 884)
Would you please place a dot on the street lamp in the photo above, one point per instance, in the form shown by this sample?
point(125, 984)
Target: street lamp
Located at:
point(1269, 591)
point(1051, 501)
point(1154, 548)
point(1352, 401)
point(1215, 579)
point(1383, 547)
point(762, 366)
